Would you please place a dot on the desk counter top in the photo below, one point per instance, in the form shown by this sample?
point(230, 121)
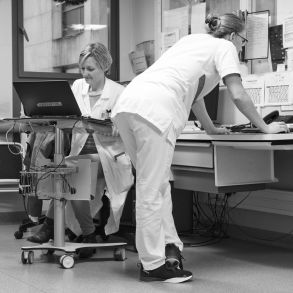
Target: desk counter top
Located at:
point(285, 137)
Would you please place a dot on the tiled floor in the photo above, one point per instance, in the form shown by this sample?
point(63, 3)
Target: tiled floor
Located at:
point(229, 266)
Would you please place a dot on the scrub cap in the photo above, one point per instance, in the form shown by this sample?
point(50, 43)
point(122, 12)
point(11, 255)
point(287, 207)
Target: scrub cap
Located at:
point(99, 52)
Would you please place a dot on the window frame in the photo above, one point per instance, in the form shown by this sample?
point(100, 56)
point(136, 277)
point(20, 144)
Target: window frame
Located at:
point(18, 46)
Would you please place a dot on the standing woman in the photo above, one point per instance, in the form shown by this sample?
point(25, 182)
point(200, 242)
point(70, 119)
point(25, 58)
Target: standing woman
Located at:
point(151, 113)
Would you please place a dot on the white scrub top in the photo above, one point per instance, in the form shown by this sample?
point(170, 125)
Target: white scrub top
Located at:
point(103, 105)
point(163, 94)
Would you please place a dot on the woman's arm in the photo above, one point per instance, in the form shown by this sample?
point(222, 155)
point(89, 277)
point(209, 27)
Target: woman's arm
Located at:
point(200, 111)
point(244, 103)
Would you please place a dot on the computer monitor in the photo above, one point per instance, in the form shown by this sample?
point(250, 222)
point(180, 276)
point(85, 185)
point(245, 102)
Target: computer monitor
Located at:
point(47, 98)
point(211, 102)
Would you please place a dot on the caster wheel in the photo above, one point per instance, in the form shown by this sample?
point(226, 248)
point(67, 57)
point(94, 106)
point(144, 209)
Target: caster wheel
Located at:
point(24, 255)
point(67, 261)
point(18, 234)
point(30, 257)
point(119, 254)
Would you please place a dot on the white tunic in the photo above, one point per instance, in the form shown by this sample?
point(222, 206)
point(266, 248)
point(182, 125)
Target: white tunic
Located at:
point(117, 172)
point(163, 94)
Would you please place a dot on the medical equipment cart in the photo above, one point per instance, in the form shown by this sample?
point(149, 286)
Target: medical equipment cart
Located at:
point(58, 174)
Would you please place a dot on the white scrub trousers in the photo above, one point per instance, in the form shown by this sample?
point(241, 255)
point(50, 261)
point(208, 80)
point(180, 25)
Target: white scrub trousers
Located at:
point(151, 154)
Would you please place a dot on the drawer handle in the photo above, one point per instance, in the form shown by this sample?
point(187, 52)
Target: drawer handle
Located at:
point(193, 144)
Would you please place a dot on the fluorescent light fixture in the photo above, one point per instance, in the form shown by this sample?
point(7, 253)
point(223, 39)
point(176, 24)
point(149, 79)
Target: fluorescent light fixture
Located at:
point(92, 27)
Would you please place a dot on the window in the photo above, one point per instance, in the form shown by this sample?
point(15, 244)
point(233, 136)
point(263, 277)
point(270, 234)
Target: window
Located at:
point(72, 15)
point(50, 36)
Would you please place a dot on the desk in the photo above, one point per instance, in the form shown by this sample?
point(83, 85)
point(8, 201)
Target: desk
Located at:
point(227, 163)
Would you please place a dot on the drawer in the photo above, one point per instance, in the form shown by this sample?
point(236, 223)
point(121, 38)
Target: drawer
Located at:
point(193, 154)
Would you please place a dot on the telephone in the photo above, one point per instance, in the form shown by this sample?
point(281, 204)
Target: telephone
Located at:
point(275, 117)
point(271, 117)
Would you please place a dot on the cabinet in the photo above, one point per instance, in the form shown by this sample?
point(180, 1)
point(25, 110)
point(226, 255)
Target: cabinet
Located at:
point(227, 163)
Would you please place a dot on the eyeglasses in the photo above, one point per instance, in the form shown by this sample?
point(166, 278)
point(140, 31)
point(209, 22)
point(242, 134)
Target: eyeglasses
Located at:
point(244, 40)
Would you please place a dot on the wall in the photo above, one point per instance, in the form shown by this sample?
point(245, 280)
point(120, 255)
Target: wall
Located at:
point(5, 59)
point(126, 39)
point(137, 24)
point(10, 202)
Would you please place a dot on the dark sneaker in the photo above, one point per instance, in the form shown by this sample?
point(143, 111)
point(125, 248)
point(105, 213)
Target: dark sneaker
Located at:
point(173, 256)
point(70, 235)
point(44, 234)
point(165, 274)
point(89, 251)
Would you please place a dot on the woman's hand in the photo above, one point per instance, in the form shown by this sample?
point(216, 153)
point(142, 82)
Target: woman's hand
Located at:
point(219, 130)
point(277, 127)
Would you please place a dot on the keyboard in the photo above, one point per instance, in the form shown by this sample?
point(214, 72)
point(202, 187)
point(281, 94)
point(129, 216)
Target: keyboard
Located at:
point(256, 130)
point(285, 118)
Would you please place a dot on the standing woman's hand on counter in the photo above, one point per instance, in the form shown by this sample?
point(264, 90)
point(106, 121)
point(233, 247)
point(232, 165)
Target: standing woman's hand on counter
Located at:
point(219, 130)
point(277, 127)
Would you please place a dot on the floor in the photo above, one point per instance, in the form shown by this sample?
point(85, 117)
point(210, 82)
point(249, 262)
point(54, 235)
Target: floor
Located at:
point(229, 266)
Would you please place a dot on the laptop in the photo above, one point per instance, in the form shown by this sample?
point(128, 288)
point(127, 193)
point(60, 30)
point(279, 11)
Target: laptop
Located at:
point(52, 98)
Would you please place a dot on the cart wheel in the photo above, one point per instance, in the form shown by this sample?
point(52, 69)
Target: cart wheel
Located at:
point(24, 257)
point(30, 257)
point(18, 234)
point(67, 261)
point(119, 253)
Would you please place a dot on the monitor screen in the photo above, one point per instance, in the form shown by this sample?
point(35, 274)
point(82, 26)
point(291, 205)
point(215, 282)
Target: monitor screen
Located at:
point(211, 101)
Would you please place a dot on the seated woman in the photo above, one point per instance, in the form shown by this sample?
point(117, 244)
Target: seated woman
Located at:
point(96, 95)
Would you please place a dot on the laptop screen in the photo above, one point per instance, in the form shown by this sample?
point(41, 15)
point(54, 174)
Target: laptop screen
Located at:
point(47, 98)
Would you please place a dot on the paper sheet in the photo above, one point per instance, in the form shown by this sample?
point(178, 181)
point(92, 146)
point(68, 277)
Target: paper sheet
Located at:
point(169, 39)
point(257, 35)
point(254, 86)
point(176, 19)
point(198, 13)
point(278, 88)
point(288, 32)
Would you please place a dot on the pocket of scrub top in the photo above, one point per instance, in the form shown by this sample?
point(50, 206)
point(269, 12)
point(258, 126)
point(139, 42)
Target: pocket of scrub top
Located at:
point(119, 174)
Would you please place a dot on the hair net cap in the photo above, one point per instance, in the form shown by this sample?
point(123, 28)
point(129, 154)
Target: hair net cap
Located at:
point(100, 53)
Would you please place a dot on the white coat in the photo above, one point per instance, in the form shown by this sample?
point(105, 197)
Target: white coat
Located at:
point(117, 170)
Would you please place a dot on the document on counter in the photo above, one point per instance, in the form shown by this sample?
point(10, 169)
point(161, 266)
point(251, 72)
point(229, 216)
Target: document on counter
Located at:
point(257, 29)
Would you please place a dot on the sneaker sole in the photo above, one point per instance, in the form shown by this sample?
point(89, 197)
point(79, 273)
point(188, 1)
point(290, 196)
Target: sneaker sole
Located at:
point(172, 280)
point(178, 280)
